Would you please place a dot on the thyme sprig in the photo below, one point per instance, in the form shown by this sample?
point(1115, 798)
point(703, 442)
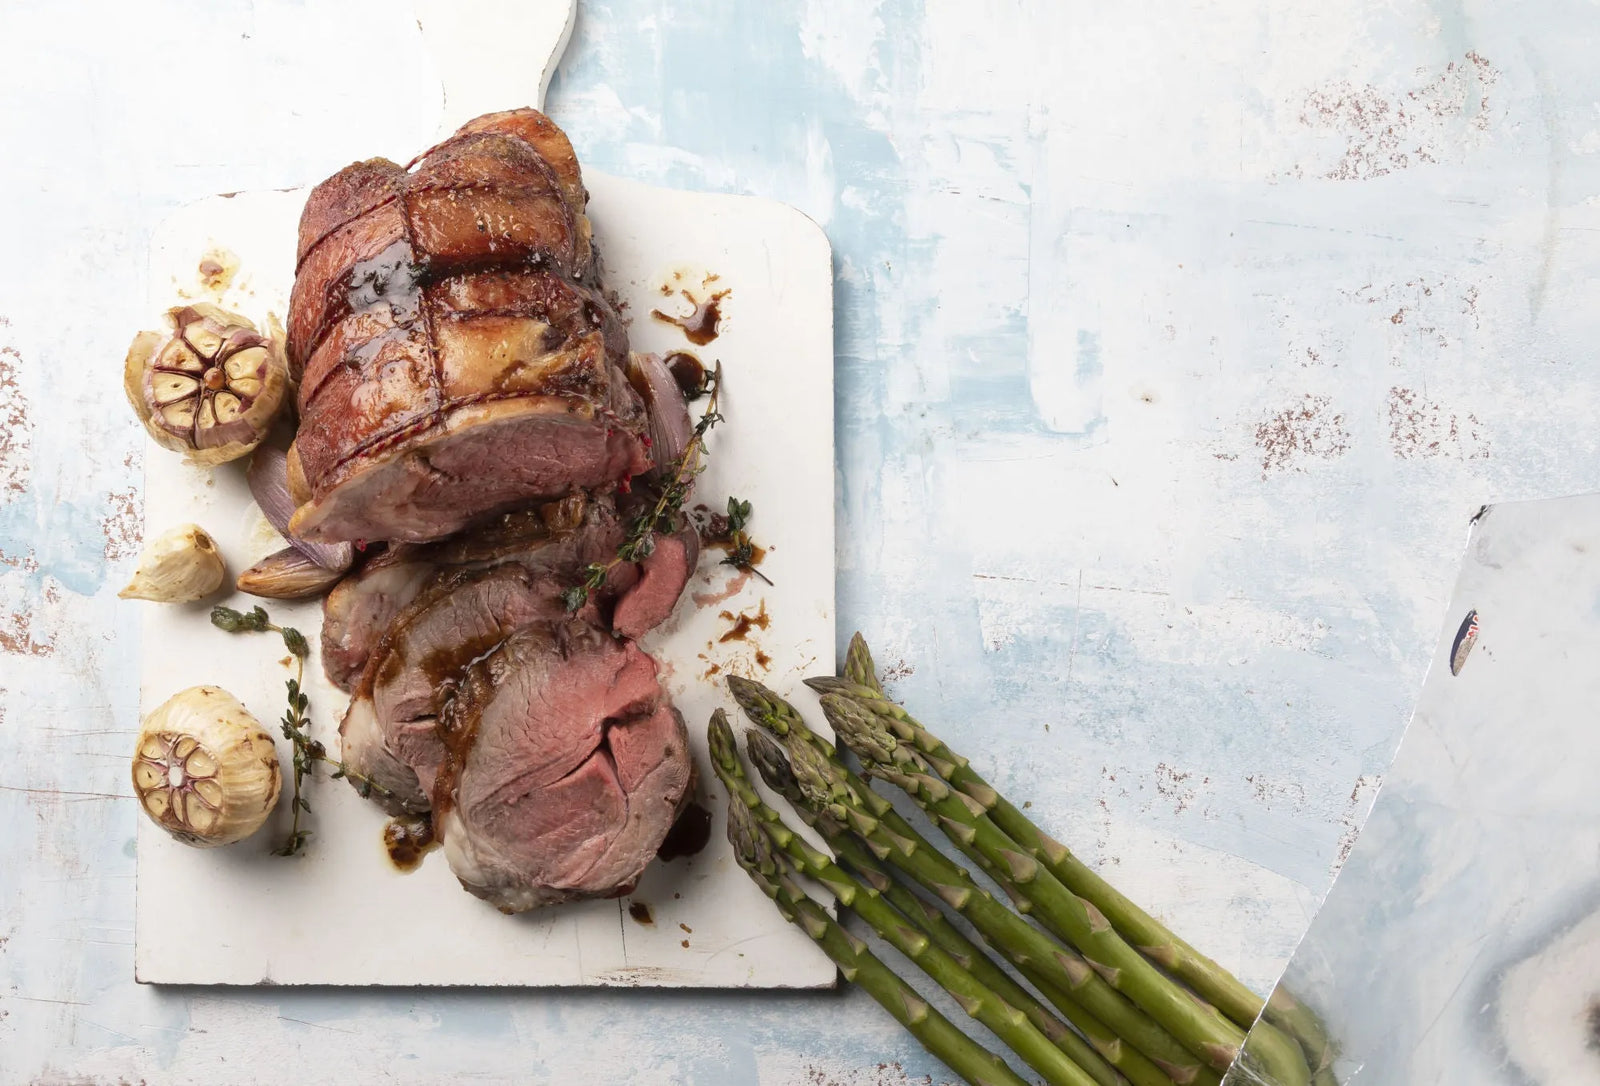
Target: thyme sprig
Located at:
point(741, 548)
point(296, 722)
point(640, 541)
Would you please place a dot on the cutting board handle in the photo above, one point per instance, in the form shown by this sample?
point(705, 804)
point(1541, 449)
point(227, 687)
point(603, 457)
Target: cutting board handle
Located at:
point(492, 54)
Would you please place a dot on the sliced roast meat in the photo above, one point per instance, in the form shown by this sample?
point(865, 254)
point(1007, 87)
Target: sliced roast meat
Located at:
point(565, 768)
point(366, 751)
point(650, 755)
point(484, 459)
point(460, 616)
point(663, 576)
point(358, 610)
point(558, 539)
point(466, 396)
point(473, 593)
point(454, 361)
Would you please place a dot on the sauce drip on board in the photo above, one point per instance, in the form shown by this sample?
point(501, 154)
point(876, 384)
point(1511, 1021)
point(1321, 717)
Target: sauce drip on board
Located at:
point(408, 838)
point(743, 623)
point(688, 834)
point(689, 372)
point(702, 324)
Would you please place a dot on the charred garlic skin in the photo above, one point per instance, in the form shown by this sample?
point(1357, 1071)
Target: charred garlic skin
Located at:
point(204, 770)
point(209, 386)
point(179, 566)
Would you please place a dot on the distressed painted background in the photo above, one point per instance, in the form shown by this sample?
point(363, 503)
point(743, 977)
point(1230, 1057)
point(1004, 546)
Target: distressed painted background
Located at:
point(1175, 348)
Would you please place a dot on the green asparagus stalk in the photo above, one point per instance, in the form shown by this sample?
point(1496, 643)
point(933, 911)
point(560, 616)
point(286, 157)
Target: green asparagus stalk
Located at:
point(1008, 1022)
point(859, 667)
point(831, 789)
point(1199, 1027)
point(1107, 1061)
point(1208, 979)
point(974, 1063)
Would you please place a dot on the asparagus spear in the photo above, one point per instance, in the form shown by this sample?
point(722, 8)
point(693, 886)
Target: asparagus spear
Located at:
point(1201, 1028)
point(831, 789)
point(1209, 980)
point(859, 667)
point(974, 1063)
point(1108, 1055)
point(1300, 1022)
point(1009, 1023)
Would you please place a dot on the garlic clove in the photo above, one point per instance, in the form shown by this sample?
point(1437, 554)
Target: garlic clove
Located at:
point(203, 768)
point(178, 566)
point(287, 575)
point(211, 385)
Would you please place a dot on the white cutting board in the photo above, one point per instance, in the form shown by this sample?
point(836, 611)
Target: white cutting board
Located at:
point(341, 913)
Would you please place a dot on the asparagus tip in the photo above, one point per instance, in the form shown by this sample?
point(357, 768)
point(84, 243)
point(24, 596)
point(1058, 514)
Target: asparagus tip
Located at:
point(859, 666)
point(860, 730)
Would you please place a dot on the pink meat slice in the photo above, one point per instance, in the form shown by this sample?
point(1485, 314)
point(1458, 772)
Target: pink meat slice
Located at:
point(553, 787)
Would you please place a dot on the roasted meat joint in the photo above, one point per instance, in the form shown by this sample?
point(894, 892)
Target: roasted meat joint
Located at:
point(471, 418)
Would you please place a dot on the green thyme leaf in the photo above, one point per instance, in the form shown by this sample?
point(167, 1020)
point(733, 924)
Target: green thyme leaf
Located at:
point(295, 642)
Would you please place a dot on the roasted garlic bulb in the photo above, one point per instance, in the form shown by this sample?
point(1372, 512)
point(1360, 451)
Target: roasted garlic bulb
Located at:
point(204, 771)
point(210, 386)
point(178, 566)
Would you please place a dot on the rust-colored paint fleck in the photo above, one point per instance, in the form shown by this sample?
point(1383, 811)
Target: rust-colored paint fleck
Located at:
point(883, 1074)
point(1420, 429)
point(1307, 430)
point(1384, 132)
point(121, 525)
point(18, 638)
point(896, 671)
point(1173, 784)
point(27, 563)
point(16, 431)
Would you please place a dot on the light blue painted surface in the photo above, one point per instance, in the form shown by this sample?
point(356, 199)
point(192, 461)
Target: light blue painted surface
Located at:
point(1174, 351)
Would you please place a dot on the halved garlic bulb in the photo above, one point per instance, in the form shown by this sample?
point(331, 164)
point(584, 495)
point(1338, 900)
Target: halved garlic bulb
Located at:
point(210, 386)
point(178, 566)
point(204, 770)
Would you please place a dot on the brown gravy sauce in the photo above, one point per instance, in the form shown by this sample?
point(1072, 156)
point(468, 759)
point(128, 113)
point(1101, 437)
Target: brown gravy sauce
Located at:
point(702, 324)
point(689, 372)
point(743, 623)
point(688, 834)
point(408, 838)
